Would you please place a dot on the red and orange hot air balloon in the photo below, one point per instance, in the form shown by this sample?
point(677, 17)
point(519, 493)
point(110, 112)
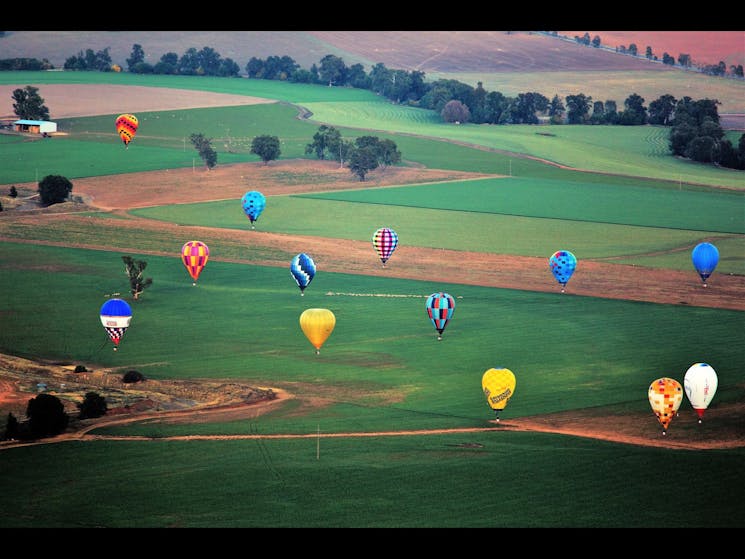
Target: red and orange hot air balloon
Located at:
point(194, 255)
point(126, 127)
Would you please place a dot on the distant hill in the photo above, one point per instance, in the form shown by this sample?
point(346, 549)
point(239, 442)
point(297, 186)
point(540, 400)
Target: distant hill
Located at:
point(427, 51)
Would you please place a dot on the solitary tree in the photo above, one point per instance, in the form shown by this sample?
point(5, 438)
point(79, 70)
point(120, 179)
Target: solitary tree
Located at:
point(204, 147)
point(54, 189)
point(325, 139)
point(362, 161)
point(266, 147)
point(93, 405)
point(455, 111)
point(46, 416)
point(135, 270)
point(29, 105)
point(12, 429)
point(137, 56)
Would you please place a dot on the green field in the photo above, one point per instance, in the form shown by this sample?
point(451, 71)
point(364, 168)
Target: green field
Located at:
point(382, 368)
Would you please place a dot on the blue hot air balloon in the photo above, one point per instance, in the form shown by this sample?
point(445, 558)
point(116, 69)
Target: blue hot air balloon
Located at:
point(562, 264)
point(115, 316)
point(705, 258)
point(303, 269)
point(253, 203)
point(440, 307)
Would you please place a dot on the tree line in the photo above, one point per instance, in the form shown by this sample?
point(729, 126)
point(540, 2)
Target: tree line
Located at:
point(454, 101)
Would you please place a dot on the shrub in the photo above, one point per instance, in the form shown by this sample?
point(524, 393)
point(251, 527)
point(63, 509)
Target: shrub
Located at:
point(80, 369)
point(93, 405)
point(132, 376)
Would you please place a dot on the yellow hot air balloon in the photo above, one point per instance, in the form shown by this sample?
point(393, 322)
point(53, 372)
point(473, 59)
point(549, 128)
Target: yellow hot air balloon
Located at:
point(317, 325)
point(499, 386)
point(665, 396)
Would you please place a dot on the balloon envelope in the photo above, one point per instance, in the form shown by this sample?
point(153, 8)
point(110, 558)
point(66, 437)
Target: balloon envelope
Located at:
point(303, 269)
point(705, 257)
point(126, 127)
point(385, 241)
point(440, 307)
point(562, 264)
point(115, 316)
point(253, 203)
point(665, 395)
point(194, 255)
point(498, 385)
point(317, 325)
point(700, 384)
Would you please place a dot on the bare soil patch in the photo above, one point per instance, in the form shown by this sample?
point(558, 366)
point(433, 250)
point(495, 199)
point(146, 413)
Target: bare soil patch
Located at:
point(477, 51)
point(78, 100)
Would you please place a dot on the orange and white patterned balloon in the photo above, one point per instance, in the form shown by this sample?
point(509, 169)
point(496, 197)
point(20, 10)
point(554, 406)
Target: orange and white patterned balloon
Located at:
point(665, 395)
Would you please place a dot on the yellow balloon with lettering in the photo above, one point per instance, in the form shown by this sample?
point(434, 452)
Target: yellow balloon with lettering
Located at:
point(499, 386)
point(317, 325)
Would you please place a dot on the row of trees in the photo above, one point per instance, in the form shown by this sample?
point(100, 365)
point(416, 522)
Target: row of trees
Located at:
point(684, 60)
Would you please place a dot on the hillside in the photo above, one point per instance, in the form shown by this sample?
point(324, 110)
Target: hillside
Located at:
point(427, 51)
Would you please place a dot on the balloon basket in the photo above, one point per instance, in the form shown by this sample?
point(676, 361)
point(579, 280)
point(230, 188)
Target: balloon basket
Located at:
point(439, 338)
point(318, 352)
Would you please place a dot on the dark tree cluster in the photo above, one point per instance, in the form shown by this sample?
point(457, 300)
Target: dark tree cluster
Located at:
point(696, 134)
point(46, 417)
point(203, 145)
point(24, 64)
point(92, 61)
point(193, 62)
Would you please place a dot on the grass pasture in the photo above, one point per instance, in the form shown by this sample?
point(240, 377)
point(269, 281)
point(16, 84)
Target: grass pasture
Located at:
point(241, 321)
point(382, 369)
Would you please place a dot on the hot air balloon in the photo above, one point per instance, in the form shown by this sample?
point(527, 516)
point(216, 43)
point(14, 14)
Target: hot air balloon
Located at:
point(116, 315)
point(700, 384)
point(194, 255)
point(665, 395)
point(562, 264)
point(303, 269)
point(440, 307)
point(385, 241)
point(705, 258)
point(499, 386)
point(317, 325)
point(126, 127)
point(253, 203)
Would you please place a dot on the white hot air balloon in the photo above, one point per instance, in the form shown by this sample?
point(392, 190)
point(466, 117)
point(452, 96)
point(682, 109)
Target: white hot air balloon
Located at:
point(700, 383)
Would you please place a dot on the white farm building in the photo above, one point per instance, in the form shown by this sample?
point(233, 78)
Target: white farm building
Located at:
point(35, 126)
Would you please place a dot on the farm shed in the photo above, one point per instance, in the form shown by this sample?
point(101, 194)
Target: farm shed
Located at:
point(35, 126)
